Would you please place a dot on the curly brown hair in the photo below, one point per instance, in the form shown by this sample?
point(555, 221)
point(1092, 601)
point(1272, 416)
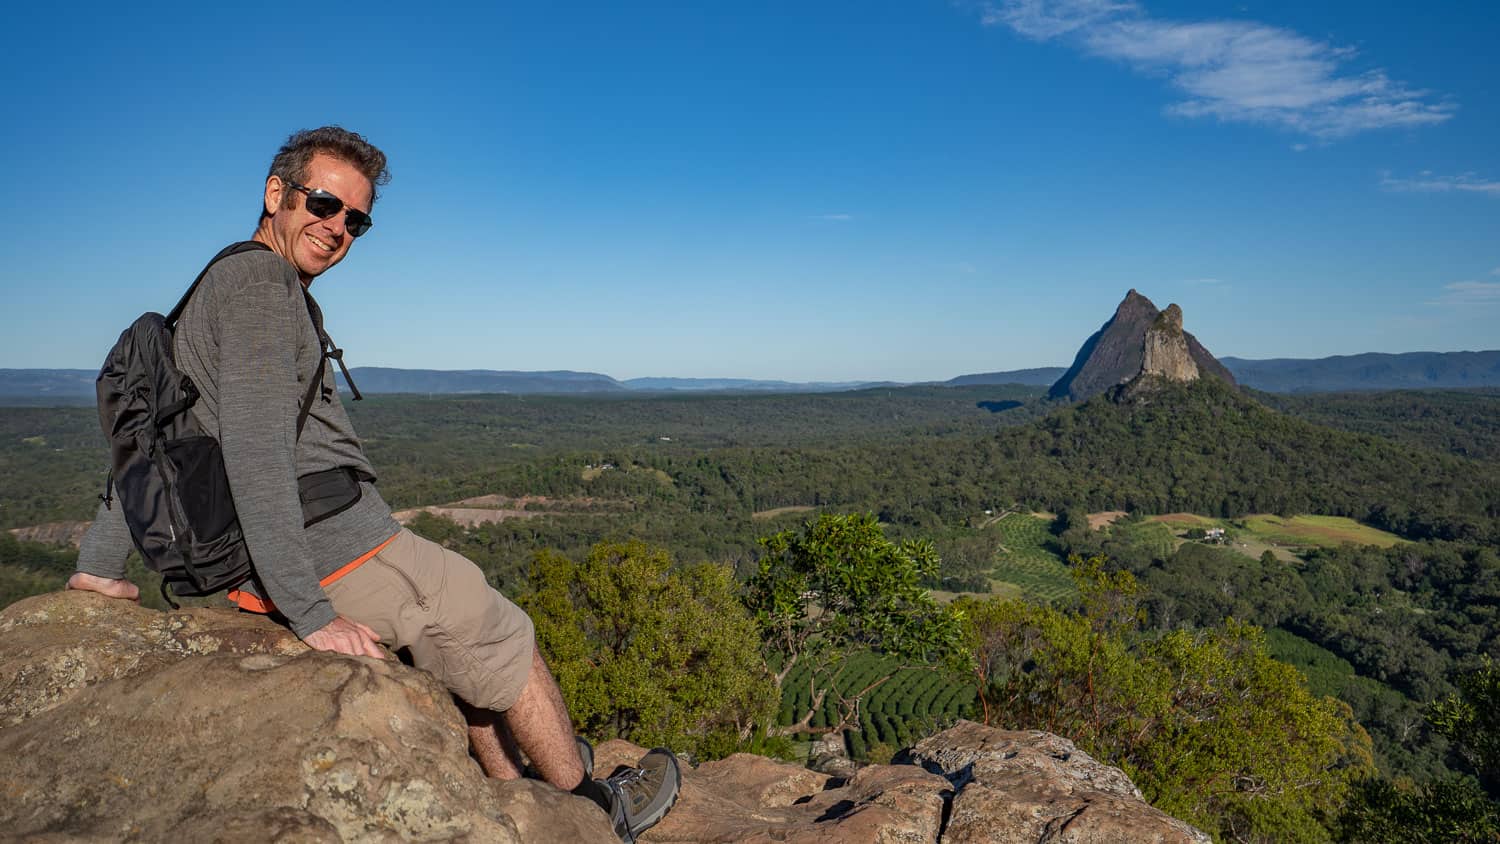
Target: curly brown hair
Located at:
point(294, 157)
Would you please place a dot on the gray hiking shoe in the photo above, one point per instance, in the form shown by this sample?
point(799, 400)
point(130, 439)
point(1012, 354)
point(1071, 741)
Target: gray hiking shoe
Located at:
point(642, 796)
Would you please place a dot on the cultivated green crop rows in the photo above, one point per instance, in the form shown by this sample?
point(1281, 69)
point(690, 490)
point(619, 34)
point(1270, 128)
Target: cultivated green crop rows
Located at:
point(1027, 562)
point(908, 706)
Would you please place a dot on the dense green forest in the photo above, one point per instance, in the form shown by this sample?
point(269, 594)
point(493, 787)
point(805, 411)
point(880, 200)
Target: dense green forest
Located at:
point(1461, 422)
point(1389, 631)
point(430, 450)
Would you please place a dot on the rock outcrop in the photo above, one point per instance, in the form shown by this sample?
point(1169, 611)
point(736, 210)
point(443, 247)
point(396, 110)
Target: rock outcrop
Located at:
point(1166, 353)
point(1034, 786)
point(1139, 339)
point(123, 723)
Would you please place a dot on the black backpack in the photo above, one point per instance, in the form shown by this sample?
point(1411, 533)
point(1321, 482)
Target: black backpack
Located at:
point(169, 472)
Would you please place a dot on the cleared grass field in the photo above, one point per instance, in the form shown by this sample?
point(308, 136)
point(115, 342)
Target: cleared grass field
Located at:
point(1323, 531)
point(998, 589)
point(763, 515)
point(1026, 563)
point(1261, 532)
point(1184, 520)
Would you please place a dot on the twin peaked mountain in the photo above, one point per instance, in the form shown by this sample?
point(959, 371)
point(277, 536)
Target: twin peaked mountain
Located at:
point(1138, 346)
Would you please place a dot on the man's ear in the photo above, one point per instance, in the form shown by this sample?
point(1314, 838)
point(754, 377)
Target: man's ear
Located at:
point(275, 190)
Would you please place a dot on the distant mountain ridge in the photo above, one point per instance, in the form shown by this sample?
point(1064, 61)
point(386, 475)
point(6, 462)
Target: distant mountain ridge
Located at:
point(40, 383)
point(380, 379)
point(1042, 376)
point(1370, 371)
point(755, 384)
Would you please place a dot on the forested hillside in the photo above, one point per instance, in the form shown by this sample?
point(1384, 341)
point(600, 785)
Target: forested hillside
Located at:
point(1462, 422)
point(977, 472)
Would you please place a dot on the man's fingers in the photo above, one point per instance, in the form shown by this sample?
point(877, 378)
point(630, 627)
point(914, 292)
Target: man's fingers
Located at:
point(346, 636)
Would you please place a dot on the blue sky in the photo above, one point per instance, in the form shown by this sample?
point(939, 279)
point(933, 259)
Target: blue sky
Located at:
point(799, 190)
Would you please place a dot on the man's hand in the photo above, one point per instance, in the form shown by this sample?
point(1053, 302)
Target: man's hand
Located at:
point(123, 589)
point(345, 636)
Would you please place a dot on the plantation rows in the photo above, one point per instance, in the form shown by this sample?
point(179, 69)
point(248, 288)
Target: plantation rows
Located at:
point(905, 708)
point(1026, 560)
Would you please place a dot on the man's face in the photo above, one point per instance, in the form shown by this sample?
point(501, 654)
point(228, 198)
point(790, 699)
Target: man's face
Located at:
point(312, 245)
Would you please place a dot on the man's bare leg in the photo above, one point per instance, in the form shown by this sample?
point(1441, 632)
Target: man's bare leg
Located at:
point(492, 744)
point(539, 722)
point(123, 589)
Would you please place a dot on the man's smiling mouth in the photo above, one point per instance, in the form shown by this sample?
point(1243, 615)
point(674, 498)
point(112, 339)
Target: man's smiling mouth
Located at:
point(326, 247)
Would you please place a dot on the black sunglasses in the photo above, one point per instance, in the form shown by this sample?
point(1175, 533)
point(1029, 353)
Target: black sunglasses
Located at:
point(322, 204)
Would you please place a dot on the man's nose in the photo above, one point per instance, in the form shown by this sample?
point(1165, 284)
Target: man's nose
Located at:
point(338, 223)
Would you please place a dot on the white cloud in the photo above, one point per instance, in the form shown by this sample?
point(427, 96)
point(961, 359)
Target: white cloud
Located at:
point(1203, 281)
point(1428, 182)
point(1469, 293)
point(1041, 19)
point(1234, 71)
point(832, 218)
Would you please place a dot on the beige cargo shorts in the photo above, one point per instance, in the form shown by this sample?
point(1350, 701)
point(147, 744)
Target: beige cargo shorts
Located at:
point(418, 595)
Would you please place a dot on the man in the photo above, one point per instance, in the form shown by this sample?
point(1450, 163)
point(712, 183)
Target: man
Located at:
point(347, 583)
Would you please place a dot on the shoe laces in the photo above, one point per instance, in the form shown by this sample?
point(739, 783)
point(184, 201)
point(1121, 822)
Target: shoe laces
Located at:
point(631, 783)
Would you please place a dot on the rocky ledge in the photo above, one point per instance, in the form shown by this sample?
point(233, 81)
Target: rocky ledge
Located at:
point(122, 723)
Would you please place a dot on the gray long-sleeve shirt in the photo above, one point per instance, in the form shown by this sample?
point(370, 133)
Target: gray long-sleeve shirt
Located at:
point(247, 342)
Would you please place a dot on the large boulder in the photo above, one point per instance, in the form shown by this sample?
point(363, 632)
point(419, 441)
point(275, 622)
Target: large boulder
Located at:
point(123, 723)
point(210, 725)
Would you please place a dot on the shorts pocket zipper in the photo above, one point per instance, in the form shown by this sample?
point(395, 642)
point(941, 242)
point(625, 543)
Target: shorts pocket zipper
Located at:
point(410, 584)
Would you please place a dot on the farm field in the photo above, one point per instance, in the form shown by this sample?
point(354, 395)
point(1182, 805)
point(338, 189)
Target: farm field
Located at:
point(907, 707)
point(1025, 562)
point(1182, 520)
point(1322, 531)
point(1262, 532)
point(764, 515)
point(998, 589)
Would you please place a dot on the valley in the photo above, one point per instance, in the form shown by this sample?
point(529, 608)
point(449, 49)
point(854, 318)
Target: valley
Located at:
point(1361, 533)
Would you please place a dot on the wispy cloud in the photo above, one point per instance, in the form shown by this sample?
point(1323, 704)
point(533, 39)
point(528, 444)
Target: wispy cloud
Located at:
point(831, 218)
point(1469, 293)
point(1234, 71)
point(1205, 282)
point(1428, 182)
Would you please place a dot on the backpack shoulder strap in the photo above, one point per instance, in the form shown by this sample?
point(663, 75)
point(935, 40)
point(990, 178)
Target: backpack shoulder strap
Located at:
point(231, 249)
point(326, 350)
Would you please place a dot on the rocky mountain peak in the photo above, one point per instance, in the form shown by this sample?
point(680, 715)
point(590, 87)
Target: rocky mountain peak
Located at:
point(1138, 340)
point(1166, 350)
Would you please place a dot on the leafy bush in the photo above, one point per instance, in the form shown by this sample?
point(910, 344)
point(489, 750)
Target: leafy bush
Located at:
point(649, 652)
point(1207, 724)
point(833, 590)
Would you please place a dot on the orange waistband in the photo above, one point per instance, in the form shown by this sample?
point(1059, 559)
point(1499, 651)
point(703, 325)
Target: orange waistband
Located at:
point(255, 603)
